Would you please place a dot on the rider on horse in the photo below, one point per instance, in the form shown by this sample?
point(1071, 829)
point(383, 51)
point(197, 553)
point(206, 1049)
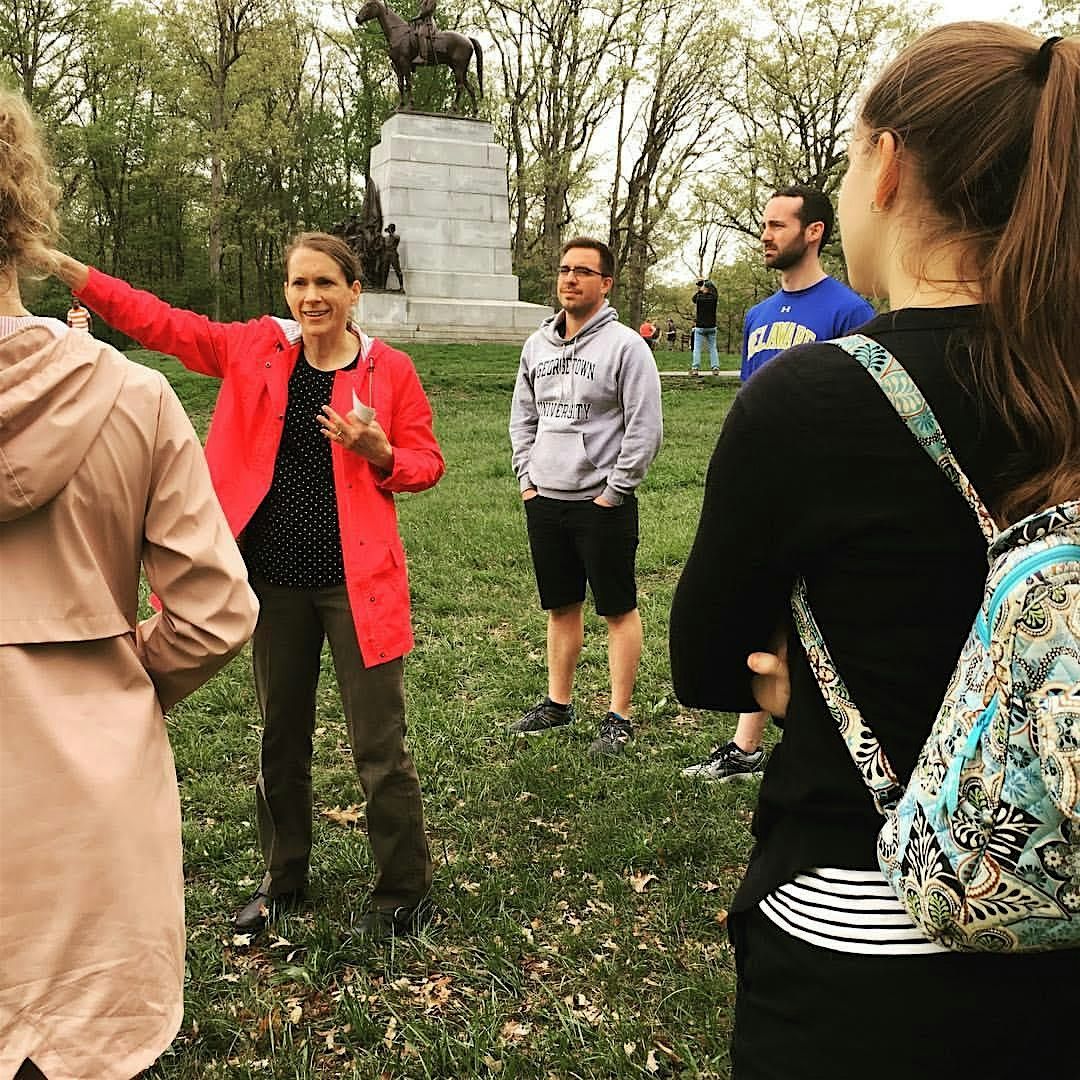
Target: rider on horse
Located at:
point(424, 27)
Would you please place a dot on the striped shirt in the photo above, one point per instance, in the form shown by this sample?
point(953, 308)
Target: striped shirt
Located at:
point(850, 911)
point(79, 319)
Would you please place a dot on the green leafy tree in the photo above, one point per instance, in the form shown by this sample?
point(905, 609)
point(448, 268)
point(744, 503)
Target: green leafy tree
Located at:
point(215, 44)
point(791, 92)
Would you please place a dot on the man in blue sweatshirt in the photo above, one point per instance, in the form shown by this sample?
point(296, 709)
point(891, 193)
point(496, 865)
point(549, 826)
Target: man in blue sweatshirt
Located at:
point(808, 306)
point(585, 425)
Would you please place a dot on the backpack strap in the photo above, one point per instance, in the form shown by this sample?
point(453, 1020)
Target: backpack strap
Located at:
point(906, 398)
point(865, 750)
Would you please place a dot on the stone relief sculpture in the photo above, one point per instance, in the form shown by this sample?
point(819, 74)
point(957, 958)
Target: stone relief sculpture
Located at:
point(418, 43)
point(364, 234)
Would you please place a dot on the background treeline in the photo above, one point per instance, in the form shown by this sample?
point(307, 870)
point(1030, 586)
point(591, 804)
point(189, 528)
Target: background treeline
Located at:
point(193, 137)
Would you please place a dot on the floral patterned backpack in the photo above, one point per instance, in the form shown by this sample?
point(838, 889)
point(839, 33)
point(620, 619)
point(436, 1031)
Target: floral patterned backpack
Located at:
point(983, 845)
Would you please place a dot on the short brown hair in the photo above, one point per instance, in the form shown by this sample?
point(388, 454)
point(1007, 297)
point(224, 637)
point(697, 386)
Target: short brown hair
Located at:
point(607, 260)
point(28, 194)
point(816, 206)
point(328, 244)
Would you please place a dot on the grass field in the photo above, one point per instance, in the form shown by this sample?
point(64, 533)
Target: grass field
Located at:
point(581, 905)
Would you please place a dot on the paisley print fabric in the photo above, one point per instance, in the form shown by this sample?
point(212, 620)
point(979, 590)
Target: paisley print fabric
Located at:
point(983, 845)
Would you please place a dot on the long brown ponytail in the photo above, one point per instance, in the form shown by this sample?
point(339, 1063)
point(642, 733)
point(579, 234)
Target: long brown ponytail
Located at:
point(991, 118)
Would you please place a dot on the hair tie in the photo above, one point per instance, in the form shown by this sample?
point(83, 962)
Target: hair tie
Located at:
point(1039, 65)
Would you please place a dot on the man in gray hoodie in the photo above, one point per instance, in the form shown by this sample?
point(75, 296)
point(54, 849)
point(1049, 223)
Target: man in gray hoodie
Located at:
point(584, 427)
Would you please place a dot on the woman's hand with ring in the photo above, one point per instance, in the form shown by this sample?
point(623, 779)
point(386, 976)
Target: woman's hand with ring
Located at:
point(368, 440)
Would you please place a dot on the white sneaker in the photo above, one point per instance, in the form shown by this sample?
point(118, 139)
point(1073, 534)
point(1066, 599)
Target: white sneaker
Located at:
point(727, 763)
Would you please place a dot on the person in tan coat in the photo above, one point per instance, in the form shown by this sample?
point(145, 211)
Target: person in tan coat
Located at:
point(100, 473)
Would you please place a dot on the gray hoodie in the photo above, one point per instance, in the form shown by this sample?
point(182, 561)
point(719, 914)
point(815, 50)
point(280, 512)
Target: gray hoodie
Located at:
point(586, 418)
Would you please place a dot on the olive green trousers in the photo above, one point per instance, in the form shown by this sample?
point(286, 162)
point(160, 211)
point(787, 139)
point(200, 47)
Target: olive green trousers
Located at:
point(287, 647)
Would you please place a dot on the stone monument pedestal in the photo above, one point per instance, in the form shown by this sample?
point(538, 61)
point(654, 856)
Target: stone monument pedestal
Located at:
point(442, 182)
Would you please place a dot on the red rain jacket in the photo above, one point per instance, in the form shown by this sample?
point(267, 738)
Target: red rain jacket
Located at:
point(254, 360)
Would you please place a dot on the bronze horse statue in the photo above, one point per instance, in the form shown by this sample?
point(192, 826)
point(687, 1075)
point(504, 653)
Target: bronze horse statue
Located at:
point(451, 49)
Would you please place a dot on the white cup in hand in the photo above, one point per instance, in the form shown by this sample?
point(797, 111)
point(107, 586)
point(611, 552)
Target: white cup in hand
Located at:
point(364, 413)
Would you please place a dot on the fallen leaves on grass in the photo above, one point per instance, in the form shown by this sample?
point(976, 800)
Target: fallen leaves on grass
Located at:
point(536, 968)
point(348, 817)
point(581, 1008)
point(639, 880)
point(558, 830)
point(433, 993)
point(391, 1033)
point(514, 1031)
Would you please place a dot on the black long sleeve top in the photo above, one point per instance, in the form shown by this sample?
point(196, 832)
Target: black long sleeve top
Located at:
point(814, 474)
point(705, 309)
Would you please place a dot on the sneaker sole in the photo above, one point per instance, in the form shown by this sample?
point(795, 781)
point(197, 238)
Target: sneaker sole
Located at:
point(736, 778)
point(706, 778)
point(606, 751)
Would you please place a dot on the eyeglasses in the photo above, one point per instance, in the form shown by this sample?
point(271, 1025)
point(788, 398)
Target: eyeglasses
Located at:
point(580, 271)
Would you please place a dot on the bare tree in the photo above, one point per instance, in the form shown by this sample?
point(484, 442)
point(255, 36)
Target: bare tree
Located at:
point(670, 112)
point(42, 43)
point(555, 58)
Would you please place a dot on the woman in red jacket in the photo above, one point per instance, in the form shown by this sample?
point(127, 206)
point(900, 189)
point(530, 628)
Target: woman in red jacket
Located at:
point(316, 427)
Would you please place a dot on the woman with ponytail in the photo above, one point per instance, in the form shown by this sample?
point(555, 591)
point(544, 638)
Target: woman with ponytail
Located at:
point(960, 208)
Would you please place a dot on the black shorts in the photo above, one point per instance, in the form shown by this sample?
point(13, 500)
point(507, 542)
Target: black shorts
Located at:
point(574, 542)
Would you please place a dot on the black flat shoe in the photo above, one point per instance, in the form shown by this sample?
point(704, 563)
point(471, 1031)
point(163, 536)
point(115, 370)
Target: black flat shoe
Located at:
point(262, 908)
point(383, 924)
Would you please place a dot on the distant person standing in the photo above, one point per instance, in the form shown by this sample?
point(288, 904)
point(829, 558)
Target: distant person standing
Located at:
point(808, 306)
point(671, 334)
point(705, 326)
point(78, 318)
point(585, 425)
point(650, 332)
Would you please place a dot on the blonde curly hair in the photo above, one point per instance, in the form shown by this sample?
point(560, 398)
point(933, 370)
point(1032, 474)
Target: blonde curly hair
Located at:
point(28, 194)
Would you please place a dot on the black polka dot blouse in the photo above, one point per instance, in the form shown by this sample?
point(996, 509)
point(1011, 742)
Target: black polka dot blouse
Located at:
point(293, 538)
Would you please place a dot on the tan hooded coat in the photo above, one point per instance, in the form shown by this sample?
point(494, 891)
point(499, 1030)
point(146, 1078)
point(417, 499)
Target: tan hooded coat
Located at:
point(100, 472)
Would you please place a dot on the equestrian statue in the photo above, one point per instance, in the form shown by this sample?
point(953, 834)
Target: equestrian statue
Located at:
point(417, 43)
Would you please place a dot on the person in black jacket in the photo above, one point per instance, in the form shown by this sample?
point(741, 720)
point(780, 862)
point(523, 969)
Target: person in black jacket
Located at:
point(951, 222)
point(705, 326)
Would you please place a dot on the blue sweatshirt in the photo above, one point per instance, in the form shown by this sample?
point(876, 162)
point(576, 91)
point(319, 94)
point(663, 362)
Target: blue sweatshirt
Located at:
point(826, 310)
